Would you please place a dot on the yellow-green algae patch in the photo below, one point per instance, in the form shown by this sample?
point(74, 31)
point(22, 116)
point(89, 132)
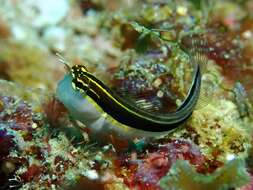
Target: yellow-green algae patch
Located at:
point(216, 126)
point(182, 176)
point(35, 97)
point(27, 65)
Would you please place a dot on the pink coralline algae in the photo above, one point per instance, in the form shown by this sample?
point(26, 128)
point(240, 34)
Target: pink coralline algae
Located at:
point(16, 113)
point(249, 186)
point(15, 118)
point(145, 171)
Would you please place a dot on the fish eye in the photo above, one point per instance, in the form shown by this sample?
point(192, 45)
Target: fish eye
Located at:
point(78, 71)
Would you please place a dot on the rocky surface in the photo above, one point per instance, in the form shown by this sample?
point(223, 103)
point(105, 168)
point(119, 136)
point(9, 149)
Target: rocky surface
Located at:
point(136, 48)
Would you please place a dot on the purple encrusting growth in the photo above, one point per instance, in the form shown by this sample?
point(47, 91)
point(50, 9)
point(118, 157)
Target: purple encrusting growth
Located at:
point(6, 143)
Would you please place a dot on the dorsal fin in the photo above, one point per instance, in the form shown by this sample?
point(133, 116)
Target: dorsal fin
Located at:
point(197, 48)
point(142, 100)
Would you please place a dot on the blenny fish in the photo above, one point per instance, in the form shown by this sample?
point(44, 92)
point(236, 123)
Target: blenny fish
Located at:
point(93, 103)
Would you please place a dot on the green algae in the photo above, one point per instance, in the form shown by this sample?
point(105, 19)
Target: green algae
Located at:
point(182, 176)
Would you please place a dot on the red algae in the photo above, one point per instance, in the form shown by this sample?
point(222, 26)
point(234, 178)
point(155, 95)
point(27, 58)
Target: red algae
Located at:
point(226, 49)
point(145, 171)
point(16, 120)
point(88, 5)
point(17, 113)
point(149, 173)
point(35, 151)
point(55, 112)
point(33, 173)
point(61, 165)
point(6, 143)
